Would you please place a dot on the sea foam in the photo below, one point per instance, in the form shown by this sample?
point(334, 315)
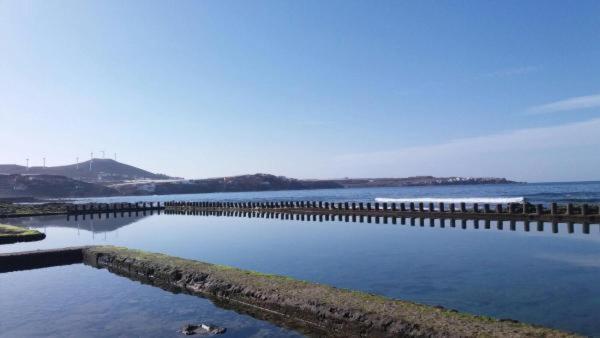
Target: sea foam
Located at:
point(469, 200)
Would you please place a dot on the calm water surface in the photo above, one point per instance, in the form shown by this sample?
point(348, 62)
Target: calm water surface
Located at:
point(537, 273)
point(536, 276)
point(80, 301)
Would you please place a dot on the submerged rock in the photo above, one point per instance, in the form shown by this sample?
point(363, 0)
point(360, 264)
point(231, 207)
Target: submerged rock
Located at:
point(202, 329)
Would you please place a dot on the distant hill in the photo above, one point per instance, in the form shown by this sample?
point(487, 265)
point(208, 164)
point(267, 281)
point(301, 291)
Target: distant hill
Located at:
point(256, 182)
point(417, 181)
point(50, 186)
point(264, 182)
point(95, 171)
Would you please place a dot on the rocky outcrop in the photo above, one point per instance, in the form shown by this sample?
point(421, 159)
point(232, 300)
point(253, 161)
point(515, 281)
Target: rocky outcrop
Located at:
point(13, 234)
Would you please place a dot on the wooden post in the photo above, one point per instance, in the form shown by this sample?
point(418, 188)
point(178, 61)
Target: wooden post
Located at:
point(402, 206)
point(431, 207)
point(569, 209)
point(498, 208)
point(463, 207)
point(554, 209)
point(475, 207)
point(525, 205)
point(539, 209)
point(421, 208)
point(452, 207)
point(486, 208)
point(584, 209)
point(441, 206)
point(412, 206)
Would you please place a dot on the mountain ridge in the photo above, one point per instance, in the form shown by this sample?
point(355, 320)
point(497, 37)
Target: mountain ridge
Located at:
point(96, 170)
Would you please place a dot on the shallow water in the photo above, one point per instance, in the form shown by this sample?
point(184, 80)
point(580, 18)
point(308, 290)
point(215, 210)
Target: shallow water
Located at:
point(547, 275)
point(81, 301)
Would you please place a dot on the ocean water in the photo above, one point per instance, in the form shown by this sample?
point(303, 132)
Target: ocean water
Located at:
point(563, 192)
point(539, 273)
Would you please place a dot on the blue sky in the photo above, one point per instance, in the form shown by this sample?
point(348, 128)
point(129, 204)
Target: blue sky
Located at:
point(311, 89)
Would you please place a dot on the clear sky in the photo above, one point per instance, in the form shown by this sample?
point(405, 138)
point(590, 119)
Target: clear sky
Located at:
point(309, 89)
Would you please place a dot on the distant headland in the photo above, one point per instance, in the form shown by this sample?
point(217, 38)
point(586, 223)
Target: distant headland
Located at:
point(107, 177)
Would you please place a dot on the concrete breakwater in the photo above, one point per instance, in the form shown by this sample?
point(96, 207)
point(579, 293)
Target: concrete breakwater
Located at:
point(336, 311)
point(92, 208)
point(583, 213)
point(320, 308)
point(12, 210)
point(38, 259)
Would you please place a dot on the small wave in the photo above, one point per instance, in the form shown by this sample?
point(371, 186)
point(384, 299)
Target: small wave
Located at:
point(490, 200)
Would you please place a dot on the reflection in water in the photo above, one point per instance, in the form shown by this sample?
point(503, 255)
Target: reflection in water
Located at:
point(79, 301)
point(499, 269)
point(476, 224)
point(96, 223)
point(305, 327)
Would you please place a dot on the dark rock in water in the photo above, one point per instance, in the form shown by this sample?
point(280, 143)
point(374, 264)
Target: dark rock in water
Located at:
point(508, 320)
point(202, 329)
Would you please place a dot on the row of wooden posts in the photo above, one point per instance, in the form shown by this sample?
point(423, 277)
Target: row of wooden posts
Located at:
point(511, 208)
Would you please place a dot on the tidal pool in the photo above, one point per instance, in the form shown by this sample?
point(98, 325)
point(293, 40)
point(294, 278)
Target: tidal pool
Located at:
point(538, 273)
point(81, 301)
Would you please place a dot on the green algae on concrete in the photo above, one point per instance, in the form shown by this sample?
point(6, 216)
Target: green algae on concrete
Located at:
point(8, 209)
point(338, 312)
point(13, 234)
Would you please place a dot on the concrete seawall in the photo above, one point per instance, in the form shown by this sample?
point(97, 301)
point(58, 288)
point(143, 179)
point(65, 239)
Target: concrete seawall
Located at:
point(336, 311)
point(40, 259)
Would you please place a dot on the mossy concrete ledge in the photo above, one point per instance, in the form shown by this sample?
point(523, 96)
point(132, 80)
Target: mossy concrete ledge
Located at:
point(12, 234)
point(27, 260)
point(336, 311)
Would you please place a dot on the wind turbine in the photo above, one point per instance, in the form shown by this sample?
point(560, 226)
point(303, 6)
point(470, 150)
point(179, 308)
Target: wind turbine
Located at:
point(77, 161)
point(27, 160)
point(44, 161)
point(91, 159)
